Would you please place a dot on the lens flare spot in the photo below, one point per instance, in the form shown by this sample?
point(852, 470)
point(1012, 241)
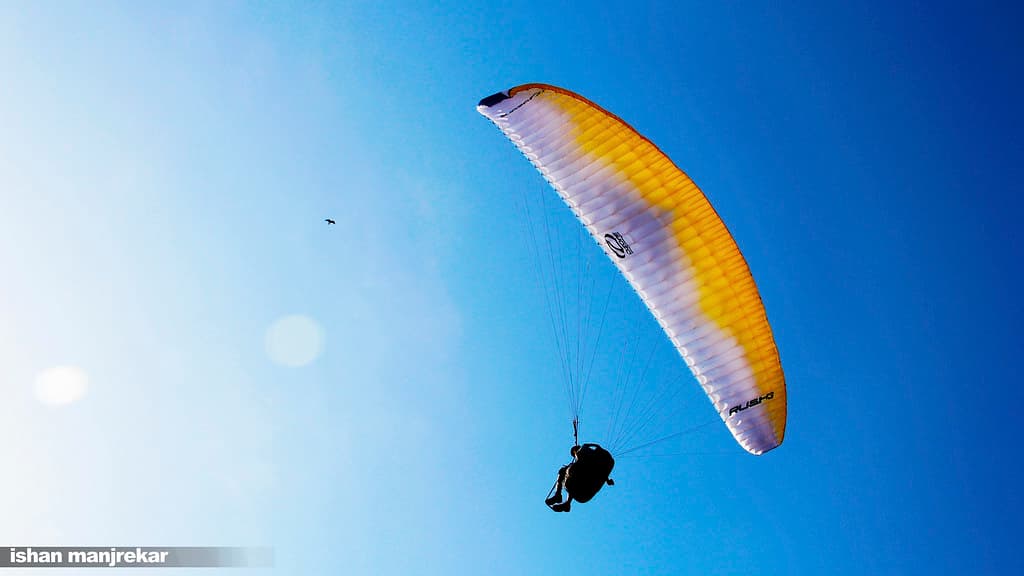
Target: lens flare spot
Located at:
point(294, 340)
point(61, 385)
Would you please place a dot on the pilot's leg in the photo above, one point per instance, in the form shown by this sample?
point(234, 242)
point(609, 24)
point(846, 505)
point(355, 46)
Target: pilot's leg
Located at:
point(558, 486)
point(564, 506)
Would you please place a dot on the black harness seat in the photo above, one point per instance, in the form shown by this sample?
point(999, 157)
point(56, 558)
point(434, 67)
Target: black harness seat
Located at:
point(589, 472)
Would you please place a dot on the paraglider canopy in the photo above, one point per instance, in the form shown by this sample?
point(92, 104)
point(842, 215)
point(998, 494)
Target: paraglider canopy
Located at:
point(662, 234)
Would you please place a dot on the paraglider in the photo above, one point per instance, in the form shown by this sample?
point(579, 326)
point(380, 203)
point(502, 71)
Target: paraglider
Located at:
point(589, 471)
point(663, 235)
point(582, 478)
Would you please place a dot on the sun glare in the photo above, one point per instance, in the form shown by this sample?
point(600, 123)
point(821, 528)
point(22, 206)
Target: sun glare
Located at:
point(294, 340)
point(61, 385)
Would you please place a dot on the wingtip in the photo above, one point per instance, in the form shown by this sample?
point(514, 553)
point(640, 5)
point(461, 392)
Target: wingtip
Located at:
point(492, 99)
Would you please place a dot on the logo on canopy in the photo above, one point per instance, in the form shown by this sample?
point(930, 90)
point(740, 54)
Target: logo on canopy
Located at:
point(752, 403)
point(617, 244)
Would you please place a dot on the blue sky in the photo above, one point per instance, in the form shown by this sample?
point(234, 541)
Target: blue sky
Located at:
point(164, 174)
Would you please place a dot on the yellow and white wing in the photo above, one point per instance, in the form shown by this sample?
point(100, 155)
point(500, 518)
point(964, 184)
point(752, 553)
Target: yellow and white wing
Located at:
point(662, 233)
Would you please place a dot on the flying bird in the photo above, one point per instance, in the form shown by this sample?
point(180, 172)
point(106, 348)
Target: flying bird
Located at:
point(329, 221)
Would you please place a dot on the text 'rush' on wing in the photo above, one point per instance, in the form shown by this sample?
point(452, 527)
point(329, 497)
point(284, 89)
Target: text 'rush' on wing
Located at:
point(662, 233)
